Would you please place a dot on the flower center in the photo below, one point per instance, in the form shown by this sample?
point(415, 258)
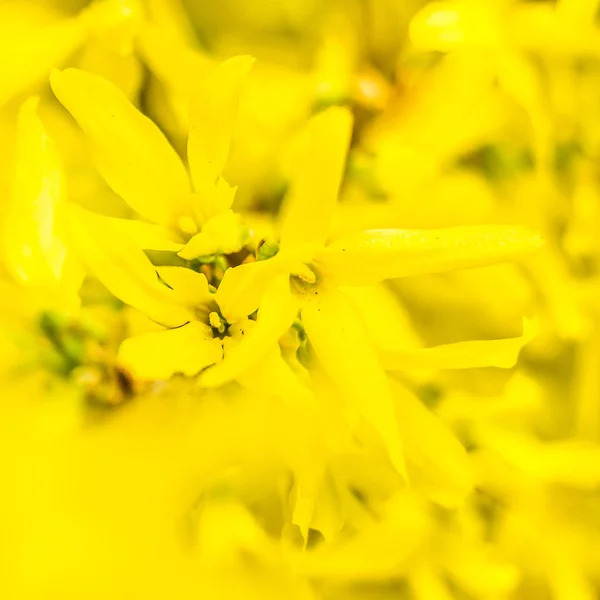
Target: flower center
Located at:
point(305, 280)
point(219, 326)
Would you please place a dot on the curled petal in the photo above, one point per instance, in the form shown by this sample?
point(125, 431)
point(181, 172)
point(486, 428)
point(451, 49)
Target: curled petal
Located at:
point(371, 256)
point(160, 354)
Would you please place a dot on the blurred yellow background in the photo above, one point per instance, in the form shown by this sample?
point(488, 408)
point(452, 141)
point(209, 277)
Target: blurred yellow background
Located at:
point(457, 457)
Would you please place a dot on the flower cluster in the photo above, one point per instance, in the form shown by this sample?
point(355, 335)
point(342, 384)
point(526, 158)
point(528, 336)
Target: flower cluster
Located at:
point(319, 324)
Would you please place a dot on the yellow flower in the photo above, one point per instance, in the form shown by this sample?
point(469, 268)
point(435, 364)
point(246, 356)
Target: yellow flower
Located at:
point(207, 337)
point(138, 163)
point(318, 271)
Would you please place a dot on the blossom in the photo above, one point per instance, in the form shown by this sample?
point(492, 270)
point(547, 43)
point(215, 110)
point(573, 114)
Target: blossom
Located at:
point(147, 168)
point(146, 171)
point(331, 321)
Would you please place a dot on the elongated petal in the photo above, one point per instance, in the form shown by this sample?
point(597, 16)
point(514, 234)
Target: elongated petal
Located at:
point(463, 355)
point(32, 249)
point(437, 462)
point(122, 267)
point(275, 316)
point(160, 354)
point(189, 287)
point(371, 256)
point(241, 289)
point(315, 184)
point(342, 344)
point(213, 115)
point(148, 236)
point(132, 154)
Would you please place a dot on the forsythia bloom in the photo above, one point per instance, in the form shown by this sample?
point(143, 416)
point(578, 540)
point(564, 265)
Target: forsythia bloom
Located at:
point(317, 325)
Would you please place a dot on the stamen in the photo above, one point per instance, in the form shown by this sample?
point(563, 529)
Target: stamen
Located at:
point(215, 321)
point(305, 274)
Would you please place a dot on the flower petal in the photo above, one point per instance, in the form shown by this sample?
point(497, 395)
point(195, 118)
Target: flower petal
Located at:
point(463, 355)
point(222, 234)
point(214, 199)
point(342, 344)
point(371, 256)
point(148, 236)
point(33, 251)
point(160, 354)
point(315, 185)
point(213, 115)
point(130, 151)
point(276, 314)
point(122, 267)
point(189, 287)
point(437, 462)
point(242, 287)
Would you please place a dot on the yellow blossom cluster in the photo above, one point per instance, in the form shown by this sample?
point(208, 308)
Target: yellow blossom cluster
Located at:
point(299, 299)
